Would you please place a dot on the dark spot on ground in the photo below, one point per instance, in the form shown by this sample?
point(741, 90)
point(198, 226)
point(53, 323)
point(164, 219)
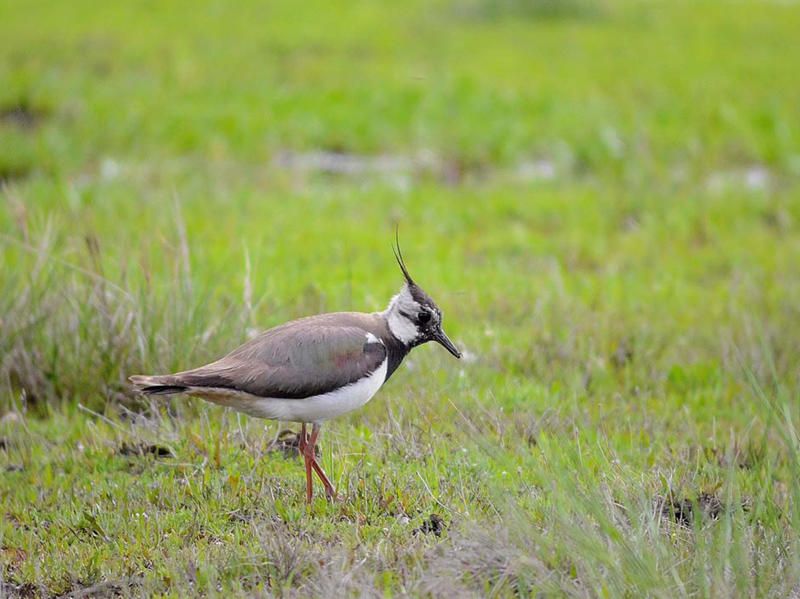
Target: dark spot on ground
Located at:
point(554, 10)
point(14, 172)
point(777, 219)
point(683, 510)
point(288, 443)
point(5, 443)
point(21, 591)
point(622, 355)
point(241, 516)
point(23, 114)
point(433, 524)
point(14, 468)
point(144, 449)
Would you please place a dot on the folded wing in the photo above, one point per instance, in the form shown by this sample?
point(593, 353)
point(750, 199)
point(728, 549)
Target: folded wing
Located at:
point(288, 362)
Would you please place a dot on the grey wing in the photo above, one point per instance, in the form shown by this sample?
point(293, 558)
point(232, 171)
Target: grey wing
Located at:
point(293, 362)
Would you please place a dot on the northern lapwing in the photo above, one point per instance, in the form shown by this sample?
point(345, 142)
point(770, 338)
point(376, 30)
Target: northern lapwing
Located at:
point(315, 368)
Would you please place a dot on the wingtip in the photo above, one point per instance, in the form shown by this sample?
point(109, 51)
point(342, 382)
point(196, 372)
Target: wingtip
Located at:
point(155, 385)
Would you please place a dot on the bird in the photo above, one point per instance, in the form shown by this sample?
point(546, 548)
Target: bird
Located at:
point(315, 368)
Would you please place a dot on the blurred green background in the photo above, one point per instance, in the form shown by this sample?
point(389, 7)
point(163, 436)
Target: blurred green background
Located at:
point(602, 197)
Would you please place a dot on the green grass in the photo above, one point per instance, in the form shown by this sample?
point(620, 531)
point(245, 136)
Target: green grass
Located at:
point(601, 196)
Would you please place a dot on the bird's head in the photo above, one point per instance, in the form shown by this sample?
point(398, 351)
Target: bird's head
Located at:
point(413, 316)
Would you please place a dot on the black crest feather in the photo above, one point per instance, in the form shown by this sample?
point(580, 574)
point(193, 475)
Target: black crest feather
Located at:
point(398, 254)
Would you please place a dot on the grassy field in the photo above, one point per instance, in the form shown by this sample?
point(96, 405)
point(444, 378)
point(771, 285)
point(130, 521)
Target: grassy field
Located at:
point(603, 197)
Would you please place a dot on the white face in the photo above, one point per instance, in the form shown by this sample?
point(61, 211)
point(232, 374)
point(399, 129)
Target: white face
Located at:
point(400, 325)
point(403, 316)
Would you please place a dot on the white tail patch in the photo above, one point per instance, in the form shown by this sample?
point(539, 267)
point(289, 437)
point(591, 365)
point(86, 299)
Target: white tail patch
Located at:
point(142, 380)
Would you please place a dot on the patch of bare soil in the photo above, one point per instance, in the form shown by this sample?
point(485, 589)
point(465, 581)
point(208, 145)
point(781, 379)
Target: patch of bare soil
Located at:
point(432, 525)
point(20, 591)
point(145, 449)
point(684, 510)
point(23, 115)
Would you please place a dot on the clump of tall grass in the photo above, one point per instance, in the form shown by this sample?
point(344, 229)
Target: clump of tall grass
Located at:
point(72, 332)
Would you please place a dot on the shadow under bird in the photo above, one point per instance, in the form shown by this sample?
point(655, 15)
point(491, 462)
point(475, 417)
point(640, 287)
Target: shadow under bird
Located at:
point(315, 368)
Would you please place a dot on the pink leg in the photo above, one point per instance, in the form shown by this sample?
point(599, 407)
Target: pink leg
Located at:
point(302, 439)
point(303, 445)
point(330, 493)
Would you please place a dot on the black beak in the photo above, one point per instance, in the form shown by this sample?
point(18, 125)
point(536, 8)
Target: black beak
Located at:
point(445, 342)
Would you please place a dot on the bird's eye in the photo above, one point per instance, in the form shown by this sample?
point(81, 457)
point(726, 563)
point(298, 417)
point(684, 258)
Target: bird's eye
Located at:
point(423, 317)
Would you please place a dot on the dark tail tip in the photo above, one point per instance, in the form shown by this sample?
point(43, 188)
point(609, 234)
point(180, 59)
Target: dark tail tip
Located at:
point(163, 389)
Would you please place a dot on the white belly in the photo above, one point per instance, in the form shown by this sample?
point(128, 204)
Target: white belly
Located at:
point(311, 409)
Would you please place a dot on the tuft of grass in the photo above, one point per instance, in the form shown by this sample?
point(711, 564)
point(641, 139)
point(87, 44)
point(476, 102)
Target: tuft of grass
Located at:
point(71, 334)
